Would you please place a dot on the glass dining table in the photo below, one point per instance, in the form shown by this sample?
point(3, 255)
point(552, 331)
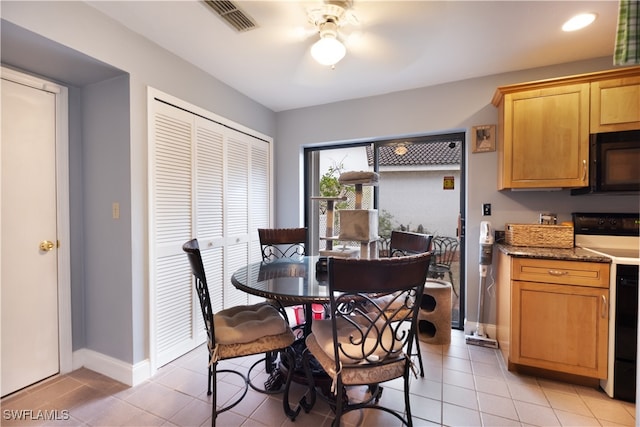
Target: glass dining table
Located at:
point(286, 280)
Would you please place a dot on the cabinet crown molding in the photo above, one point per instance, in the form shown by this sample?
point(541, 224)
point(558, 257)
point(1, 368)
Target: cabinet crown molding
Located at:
point(618, 73)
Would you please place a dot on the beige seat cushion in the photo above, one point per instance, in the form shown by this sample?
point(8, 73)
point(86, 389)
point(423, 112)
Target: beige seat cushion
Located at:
point(349, 336)
point(356, 374)
point(246, 323)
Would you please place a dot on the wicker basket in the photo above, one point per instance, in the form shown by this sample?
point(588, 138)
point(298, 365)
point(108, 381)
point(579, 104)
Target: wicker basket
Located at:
point(541, 236)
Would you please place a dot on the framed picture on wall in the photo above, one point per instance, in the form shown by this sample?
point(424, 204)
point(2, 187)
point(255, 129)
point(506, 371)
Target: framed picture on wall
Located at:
point(484, 138)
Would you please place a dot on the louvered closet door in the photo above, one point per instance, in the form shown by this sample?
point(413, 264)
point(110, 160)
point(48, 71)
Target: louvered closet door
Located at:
point(247, 194)
point(171, 226)
point(259, 196)
point(209, 218)
point(213, 183)
point(237, 214)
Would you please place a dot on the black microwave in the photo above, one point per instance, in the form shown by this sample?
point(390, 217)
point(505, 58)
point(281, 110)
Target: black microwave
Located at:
point(614, 163)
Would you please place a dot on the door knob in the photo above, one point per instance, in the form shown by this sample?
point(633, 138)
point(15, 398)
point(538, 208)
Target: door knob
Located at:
point(46, 245)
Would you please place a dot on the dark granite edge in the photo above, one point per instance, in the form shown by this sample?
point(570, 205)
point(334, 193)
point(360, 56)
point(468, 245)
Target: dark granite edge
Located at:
point(571, 254)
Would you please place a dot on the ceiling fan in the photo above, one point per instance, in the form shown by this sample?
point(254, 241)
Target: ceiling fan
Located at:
point(328, 18)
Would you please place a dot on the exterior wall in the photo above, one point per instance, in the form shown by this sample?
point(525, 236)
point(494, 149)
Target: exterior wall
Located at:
point(431, 206)
point(436, 209)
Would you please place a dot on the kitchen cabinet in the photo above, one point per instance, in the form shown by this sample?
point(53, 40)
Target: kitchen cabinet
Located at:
point(553, 314)
point(544, 126)
point(545, 138)
point(615, 104)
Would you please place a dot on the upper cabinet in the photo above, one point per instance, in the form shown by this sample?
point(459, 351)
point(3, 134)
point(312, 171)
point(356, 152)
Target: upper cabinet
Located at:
point(544, 126)
point(615, 104)
point(545, 137)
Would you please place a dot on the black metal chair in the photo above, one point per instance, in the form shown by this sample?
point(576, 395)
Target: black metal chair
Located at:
point(276, 243)
point(444, 251)
point(282, 242)
point(405, 243)
point(236, 331)
point(367, 341)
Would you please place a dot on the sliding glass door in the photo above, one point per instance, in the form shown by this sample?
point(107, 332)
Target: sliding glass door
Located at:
point(420, 189)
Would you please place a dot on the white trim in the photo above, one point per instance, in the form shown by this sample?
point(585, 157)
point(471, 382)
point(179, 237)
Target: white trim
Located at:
point(150, 291)
point(153, 93)
point(116, 369)
point(62, 190)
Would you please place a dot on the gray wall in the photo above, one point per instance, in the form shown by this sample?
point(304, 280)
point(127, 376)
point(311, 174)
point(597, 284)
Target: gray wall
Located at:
point(108, 69)
point(445, 108)
point(107, 177)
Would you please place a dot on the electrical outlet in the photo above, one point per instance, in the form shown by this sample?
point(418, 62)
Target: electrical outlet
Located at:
point(486, 209)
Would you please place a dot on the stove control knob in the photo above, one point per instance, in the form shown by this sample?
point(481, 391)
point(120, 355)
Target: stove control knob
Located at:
point(600, 221)
point(613, 221)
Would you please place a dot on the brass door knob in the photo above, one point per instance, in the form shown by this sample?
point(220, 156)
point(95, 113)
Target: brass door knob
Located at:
point(46, 245)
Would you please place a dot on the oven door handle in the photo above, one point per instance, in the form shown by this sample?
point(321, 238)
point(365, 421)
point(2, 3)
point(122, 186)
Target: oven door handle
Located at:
point(604, 310)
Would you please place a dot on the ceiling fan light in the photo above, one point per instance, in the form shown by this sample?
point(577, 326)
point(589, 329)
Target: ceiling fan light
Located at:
point(328, 50)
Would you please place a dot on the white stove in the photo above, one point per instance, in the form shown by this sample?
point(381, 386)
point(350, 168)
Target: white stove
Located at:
point(621, 250)
point(617, 236)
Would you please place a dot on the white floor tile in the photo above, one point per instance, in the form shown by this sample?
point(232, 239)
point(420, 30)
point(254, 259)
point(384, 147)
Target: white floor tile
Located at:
point(457, 416)
point(464, 385)
point(536, 415)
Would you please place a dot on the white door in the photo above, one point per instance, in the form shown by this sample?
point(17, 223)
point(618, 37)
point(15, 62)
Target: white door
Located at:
point(29, 267)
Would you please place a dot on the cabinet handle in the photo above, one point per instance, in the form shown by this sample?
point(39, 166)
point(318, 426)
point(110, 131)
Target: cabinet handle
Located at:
point(558, 272)
point(605, 308)
point(584, 170)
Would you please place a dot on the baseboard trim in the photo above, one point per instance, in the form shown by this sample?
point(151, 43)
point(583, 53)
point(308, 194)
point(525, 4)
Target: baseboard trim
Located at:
point(116, 369)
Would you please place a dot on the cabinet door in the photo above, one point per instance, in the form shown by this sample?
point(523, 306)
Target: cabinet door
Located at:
point(615, 105)
point(545, 138)
point(560, 327)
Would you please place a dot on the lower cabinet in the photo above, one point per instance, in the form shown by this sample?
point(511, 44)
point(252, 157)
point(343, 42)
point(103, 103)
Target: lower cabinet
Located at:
point(556, 315)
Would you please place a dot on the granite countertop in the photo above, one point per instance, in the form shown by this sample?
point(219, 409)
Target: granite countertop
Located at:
point(572, 254)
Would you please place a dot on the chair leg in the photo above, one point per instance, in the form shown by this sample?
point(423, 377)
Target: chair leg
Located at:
point(289, 355)
point(307, 405)
point(212, 379)
point(270, 361)
point(452, 287)
point(419, 357)
point(407, 401)
point(209, 380)
point(340, 402)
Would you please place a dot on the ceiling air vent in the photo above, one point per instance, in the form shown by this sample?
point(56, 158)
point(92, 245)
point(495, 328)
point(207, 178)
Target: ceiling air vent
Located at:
point(229, 12)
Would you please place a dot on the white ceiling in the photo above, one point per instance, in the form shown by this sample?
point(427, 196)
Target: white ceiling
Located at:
point(398, 45)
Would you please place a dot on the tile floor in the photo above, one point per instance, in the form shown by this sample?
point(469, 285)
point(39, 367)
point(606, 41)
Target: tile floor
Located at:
point(464, 385)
